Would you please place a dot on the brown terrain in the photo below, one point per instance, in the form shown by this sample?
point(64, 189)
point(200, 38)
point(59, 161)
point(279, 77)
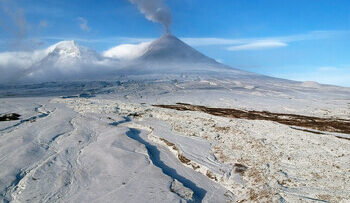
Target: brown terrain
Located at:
point(316, 123)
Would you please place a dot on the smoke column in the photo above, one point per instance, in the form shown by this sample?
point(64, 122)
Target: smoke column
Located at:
point(155, 11)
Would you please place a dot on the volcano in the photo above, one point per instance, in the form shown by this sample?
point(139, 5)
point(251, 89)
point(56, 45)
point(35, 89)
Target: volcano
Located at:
point(168, 54)
point(169, 48)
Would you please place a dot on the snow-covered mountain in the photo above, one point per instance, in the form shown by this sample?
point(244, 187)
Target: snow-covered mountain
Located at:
point(68, 53)
point(170, 55)
point(65, 60)
point(169, 48)
point(29, 65)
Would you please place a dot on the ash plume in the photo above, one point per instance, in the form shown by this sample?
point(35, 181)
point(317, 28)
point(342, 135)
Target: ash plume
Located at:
point(155, 11)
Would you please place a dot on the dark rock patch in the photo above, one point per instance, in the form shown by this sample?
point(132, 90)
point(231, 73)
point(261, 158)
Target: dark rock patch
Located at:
point(10, 117)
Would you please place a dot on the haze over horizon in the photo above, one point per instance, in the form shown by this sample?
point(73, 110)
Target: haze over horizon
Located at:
point(297, 40)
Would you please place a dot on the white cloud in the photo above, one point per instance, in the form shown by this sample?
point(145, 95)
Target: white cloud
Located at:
point(314, 35)
point(15, 64)
point(22, 59)
point(83, 24)
point(108, 40)
point(213, 41)
point(265, 42)
point(327, 69)
point(69, 62)
point(43, 24)
point(219, 60)
point(257, 45)
point(127, 51)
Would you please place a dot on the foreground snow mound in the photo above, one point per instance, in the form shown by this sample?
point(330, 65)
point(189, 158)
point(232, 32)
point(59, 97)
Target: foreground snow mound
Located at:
point(101, 141)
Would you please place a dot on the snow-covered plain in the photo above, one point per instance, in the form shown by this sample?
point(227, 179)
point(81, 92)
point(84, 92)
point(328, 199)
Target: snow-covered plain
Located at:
point(104, 141)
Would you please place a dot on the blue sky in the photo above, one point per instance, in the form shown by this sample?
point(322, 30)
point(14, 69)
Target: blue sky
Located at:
point(299, 39)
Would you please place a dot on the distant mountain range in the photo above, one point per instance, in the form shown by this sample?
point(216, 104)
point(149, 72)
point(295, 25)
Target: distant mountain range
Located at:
point(68, 61)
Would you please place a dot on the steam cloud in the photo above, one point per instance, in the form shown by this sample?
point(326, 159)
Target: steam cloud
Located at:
point(155, 11)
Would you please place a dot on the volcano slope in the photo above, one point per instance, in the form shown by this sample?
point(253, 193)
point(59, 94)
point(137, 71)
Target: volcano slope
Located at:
point(234, 136)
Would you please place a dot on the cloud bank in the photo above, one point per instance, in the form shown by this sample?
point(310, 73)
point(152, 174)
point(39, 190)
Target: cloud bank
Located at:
point(155, 11)
point(265, 42)
point(127, 51)
point(258, 45)
point(64, 61)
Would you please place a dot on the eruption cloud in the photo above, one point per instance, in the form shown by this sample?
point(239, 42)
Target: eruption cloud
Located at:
point(155, 11)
